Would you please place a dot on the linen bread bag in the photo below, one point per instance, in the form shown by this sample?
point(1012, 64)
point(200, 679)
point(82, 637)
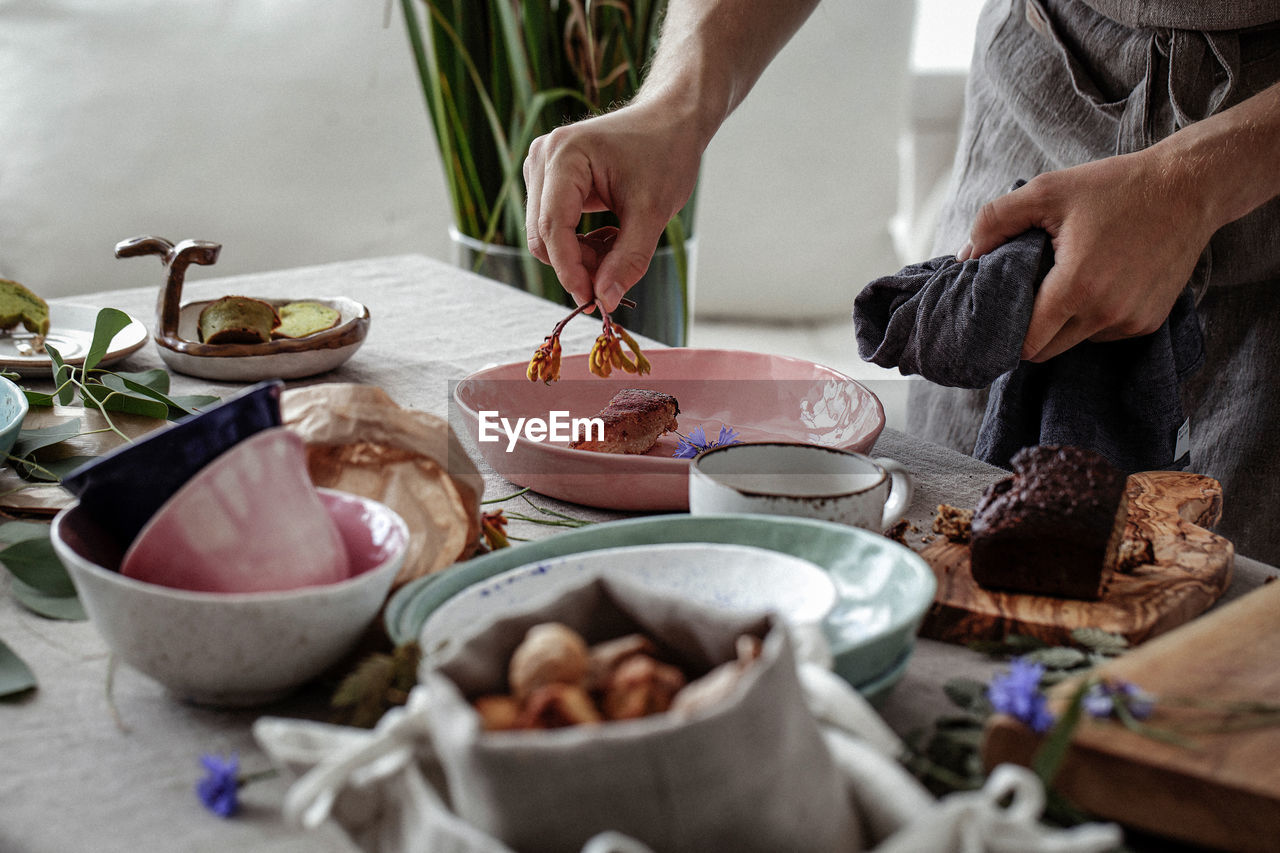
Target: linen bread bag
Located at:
point(748, 772)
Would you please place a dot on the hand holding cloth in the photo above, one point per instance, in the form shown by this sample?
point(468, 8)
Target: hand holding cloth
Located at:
point(962, 324)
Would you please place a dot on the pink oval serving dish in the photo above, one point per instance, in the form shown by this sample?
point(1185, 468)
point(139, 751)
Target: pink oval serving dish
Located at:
point(763, 397)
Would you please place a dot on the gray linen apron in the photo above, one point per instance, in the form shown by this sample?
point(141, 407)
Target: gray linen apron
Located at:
point(1053, 84)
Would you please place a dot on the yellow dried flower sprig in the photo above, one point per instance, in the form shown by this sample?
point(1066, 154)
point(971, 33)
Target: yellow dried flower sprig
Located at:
point(606, 353)
point(545, 364)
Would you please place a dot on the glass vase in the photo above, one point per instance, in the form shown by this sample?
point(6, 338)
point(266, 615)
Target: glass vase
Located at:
point(663, 300)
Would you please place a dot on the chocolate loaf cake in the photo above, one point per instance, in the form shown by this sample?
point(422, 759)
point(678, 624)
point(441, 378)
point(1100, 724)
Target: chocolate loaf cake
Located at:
point(1053, 528)
point(634, 420)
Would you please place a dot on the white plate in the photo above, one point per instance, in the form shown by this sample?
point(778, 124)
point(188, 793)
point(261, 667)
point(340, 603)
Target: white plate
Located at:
point(71, 333)
point(733, 577)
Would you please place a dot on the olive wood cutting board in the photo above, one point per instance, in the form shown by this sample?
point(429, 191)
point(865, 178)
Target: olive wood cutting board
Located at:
point(1190, 571)
point(1220, 789)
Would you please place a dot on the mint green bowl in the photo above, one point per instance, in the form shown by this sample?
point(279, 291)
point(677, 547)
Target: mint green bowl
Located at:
point(13, 409)
point(884, 588)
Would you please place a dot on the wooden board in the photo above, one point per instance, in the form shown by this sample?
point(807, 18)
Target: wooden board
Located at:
point(1191, 570)
point(1222, 791)
point(20, 497)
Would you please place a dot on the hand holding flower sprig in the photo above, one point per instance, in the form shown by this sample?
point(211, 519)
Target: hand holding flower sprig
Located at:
point(606, 353)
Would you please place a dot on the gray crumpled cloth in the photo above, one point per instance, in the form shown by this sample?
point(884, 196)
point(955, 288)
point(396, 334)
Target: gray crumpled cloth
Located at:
point(962, 324)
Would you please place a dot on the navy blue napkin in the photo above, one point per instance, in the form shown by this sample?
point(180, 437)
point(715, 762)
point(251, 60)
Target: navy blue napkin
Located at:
point(962, 324)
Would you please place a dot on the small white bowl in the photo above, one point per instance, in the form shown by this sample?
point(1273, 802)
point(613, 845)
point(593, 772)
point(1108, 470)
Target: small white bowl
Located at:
point(235, 649)
point(733, 577)
point(808, 480)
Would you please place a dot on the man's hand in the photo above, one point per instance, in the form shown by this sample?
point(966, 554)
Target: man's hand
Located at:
point(641, 161)
point(640, 166)
point(1126, 237)
point(1127, 230)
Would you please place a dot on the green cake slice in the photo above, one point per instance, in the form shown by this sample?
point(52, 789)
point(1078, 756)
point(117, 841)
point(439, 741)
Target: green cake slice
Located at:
point(299, 319)
point(237, 320)
point(20, 305)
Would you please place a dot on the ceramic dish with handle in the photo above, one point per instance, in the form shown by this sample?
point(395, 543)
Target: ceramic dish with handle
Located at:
point(177, 326)
point(721, 575)
point(883, 588)
point(291, 358)
point(762, 397)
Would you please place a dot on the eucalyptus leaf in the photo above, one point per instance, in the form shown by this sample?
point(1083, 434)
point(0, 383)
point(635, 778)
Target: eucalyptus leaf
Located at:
point(34, 562)
point(1058, 657)
point(31, 440)
point(15, 676)
point(156, 379)
point(61, 374)
point(967, 693)
point(189, 404)
point(109, 323)
point(65, 607)
point(1012, 644)
point(38, 399)
point(20, 531)
point(150, 391)
point(127, 403)
point(1100, 641)
point(52, 471)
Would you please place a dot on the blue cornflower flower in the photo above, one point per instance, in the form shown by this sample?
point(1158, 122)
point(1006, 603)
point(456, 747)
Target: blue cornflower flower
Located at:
point(220, 787)
point(696, 442)
point(1018, 695)
point(1101, 699)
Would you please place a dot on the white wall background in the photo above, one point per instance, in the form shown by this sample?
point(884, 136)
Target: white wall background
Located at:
point(294, 133)
point(799, 186)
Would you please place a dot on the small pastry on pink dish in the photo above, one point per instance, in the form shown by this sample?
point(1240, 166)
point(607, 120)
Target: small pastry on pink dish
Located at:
point(249, 521)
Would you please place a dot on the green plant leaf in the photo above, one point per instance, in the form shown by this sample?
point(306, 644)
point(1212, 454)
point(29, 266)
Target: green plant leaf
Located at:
point(109, 323)
point(1100, 642)
point(15, 676)
point(155, 378)
point(65, 607)
point(127, 402)
point(1012, 644)
point(31, 440)
point(1058, 657)
point(152, 389)
point(38, 399)
point(52, 471)
point(61, 376)
point(379, 682)
point(34, 562)
point(21, 531)
point(192, 403)
point(967, 693)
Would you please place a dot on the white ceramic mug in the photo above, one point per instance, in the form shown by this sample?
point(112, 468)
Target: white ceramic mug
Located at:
point(807, 480)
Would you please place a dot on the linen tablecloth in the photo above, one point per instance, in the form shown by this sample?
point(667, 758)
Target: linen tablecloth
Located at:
point(74, 777)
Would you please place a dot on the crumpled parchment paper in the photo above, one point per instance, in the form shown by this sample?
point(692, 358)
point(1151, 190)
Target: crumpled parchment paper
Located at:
point(359, 440)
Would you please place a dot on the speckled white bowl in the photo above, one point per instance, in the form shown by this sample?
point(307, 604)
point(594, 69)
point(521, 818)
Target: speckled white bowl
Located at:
point(235, 649)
